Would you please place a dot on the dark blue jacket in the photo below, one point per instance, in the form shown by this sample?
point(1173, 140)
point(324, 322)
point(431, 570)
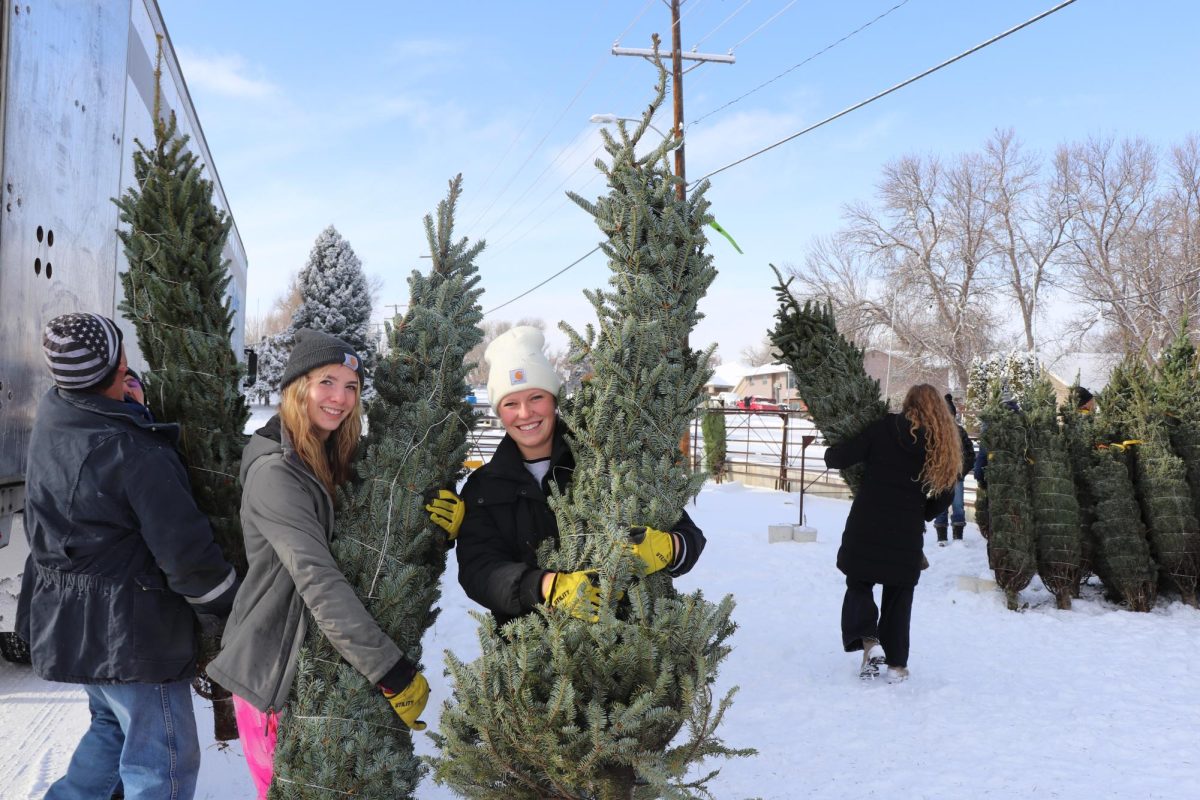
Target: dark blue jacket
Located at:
point(119, 553)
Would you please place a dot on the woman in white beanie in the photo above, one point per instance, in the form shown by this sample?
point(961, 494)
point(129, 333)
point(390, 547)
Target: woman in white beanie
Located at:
point(506, 513)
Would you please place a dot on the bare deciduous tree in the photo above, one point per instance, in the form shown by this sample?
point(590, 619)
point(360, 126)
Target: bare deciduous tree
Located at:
point(1118, 263)
point(1031, 224)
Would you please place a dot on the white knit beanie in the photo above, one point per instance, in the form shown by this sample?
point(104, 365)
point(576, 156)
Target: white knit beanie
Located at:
point(516, 362)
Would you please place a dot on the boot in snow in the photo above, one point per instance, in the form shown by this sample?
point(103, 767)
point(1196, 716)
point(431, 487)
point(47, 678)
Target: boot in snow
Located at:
point(873, 659)
point(897, 674)
point(941, 534)
point(958, 529)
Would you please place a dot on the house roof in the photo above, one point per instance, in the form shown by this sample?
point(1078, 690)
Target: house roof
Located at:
point(1092, 369)
point(727, 376)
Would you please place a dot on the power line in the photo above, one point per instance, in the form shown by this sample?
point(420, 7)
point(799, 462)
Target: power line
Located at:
point(722, 24)
point(886, 92)
point(629, 27)
point(822, 51)
point(752, 33)
point(543, 283)
point(501, 245)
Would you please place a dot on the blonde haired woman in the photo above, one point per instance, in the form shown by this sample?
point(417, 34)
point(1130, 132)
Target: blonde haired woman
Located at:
point(913, 459)
point(291, 469)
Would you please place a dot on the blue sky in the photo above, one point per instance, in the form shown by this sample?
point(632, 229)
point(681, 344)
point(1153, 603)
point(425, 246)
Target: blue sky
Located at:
point(357, 113)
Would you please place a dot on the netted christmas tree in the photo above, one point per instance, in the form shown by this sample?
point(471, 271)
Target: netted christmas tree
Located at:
point(1160, 476)
point(557, 707)
point(1122, 554)
point(176, 297)
point(1012, 547)
point(1079, 436)
point(1052, 492)
point(830, 378)
point(338, 737)
point(337, 296)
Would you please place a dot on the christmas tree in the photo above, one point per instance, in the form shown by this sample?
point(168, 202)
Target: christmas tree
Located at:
point(1055, 506)
point(712, 426)
point(176, 297)
point(1177, 403)
point(1012, 549)
point(1122, 553)
point(1079, 436)
point(1160, 476)
point(830, 378)
point(557, 707)
point(272, 351)
point(338, 737)
point(337, 297)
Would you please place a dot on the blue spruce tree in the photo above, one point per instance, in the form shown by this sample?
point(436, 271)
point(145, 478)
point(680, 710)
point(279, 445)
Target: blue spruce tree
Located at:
point(557, 707)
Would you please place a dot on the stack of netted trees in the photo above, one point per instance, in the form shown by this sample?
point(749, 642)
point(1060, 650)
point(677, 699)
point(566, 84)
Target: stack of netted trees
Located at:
point(842, 399)
point(1117, 494)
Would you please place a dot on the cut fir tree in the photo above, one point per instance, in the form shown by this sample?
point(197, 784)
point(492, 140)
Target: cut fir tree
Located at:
point(622, 707)
point(830, 377)
point(1011, 547)
point(1052, 492)
point(175, 296)
point(338, 737)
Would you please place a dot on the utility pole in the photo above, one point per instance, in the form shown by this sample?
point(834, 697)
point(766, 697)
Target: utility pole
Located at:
point(677, 58)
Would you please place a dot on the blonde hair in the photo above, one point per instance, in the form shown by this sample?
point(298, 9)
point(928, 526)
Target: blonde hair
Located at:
point(329, 460)
point(924, 408)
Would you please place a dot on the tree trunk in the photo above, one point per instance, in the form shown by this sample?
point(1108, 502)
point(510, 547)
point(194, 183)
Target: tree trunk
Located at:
point(224, 718)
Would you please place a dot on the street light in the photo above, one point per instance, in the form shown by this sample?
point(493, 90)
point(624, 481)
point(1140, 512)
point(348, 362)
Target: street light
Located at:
point(609, 119)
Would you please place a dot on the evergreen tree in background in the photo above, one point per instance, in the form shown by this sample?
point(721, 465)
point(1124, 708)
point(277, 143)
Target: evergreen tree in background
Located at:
point(1012, 549)
point(712, 427)
point(1122, 555)
point(175, 296)
point(556, 707)
point(272, 351)
point(1055, 506)
point(337, 297)
point(842, 399)
point(1177, 402)
point(338, 736)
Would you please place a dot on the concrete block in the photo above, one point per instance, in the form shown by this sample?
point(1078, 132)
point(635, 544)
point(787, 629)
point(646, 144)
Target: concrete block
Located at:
point(804, 533)
point(979, 585)
point(779, 533)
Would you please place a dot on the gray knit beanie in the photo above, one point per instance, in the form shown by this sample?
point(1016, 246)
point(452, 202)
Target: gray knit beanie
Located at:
point(81, 349)
point(316, 349)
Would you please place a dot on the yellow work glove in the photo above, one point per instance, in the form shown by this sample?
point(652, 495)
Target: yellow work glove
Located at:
point(577, 593)
point(446, 511)
point(654, 547)
point(410, 702)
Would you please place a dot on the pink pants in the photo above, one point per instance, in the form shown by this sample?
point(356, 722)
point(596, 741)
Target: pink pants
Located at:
point(258, 731)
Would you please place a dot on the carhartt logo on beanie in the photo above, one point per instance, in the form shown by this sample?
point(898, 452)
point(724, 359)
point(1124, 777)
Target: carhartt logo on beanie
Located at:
point(81, 349)
point(316, 349)
point(516, 362)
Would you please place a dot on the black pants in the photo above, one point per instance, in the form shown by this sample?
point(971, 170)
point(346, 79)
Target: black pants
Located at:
point(862, 620)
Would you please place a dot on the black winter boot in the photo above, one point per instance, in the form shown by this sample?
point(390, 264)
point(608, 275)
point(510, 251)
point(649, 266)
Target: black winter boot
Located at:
point(958, 529)
point(941, 533)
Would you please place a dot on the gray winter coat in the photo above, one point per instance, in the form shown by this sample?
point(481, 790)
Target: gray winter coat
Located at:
point(287, 519)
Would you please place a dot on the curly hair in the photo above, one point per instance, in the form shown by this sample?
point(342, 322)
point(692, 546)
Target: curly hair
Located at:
point(330, 460)
point(925, 409)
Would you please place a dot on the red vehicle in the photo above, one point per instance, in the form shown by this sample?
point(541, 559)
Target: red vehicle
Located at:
point(754, 403)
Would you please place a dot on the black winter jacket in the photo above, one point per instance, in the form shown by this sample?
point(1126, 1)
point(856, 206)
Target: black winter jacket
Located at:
point(119, 553)
point(883, 536)
point(508, 516)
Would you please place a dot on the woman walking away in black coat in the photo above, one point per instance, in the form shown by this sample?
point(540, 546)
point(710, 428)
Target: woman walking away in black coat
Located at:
point(913, 460)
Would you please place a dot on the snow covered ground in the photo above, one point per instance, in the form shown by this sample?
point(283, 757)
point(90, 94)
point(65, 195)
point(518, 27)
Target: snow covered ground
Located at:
point(1095, 702)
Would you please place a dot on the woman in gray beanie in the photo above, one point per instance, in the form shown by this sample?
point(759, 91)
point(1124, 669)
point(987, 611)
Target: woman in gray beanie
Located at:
point(291, 469)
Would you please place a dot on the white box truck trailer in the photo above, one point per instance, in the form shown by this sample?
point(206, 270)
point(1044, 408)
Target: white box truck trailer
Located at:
point(77, 81)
